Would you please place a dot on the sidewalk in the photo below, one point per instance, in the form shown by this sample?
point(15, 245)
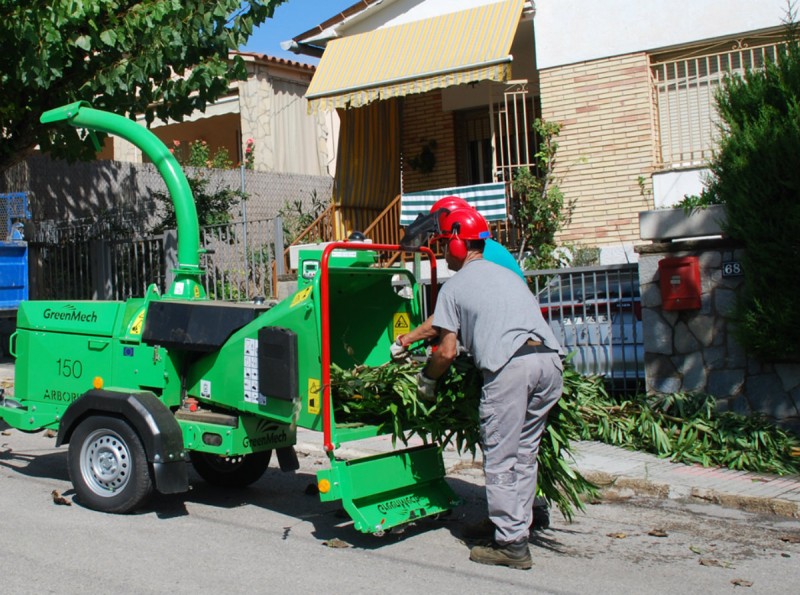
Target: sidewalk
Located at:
point(624, 473)
point(617, 471)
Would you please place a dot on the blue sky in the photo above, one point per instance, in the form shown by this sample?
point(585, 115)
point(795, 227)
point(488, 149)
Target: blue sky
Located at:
point(290, 20)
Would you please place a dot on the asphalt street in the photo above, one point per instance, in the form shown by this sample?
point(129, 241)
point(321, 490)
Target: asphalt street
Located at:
point(277, 537)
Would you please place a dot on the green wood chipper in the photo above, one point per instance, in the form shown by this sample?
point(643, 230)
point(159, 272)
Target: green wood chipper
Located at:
point(142, 388)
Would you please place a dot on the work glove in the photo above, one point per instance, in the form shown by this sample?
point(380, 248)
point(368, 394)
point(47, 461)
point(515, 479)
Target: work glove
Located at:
point(426, 387)
point(397, 350)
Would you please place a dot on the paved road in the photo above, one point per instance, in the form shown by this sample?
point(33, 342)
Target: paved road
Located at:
point(271, 538)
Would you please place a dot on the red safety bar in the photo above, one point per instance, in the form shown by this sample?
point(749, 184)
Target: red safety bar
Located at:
point(325, 319)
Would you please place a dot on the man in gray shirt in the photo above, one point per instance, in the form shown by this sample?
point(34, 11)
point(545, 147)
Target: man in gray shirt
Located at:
point(493, 314)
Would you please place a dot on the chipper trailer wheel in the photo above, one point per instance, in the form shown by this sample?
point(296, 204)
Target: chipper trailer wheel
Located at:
point(235, 472)
point(108, 465)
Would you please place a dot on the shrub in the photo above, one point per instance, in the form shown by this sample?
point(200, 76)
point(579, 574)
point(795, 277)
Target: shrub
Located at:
point(755, 174)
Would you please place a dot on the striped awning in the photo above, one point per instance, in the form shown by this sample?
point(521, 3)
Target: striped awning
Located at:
point(488, 199)
point(450, 49)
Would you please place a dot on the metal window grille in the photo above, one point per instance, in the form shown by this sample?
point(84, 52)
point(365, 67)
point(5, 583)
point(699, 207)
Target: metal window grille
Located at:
point(685, 88)
point(514, 138)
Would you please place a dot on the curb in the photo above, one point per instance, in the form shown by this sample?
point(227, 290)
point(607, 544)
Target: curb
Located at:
point(616, 487)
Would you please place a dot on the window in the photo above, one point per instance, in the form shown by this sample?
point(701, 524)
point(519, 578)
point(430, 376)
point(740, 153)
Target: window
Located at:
point(507, 126)
point(685, 83)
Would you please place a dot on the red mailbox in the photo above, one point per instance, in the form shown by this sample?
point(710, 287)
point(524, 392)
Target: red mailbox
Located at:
point(680, 283)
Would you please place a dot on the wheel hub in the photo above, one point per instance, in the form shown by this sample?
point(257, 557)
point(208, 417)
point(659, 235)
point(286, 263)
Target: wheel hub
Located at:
point(105, 463)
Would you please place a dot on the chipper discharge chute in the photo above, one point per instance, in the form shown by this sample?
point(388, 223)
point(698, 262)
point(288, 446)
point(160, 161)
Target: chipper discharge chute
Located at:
point(140, 388)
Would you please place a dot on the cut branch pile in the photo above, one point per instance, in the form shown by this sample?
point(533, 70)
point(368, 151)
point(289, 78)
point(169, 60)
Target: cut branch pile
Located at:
point(386, 396)
point(682, 427)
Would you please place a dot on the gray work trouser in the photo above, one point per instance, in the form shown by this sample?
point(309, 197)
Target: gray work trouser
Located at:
point(513, 410)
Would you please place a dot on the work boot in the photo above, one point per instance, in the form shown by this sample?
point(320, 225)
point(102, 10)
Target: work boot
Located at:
point(513, 555)
point(483, 530)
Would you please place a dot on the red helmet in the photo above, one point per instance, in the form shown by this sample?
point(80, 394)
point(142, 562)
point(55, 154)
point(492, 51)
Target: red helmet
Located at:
point(447, 204)
point(460, 225)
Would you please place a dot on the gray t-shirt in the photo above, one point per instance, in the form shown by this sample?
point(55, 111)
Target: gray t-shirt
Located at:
point(493, 312)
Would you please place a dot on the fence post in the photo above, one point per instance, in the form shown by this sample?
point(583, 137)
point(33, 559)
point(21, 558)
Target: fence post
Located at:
point(280, 268)
point(100, 257)
point(170, 257)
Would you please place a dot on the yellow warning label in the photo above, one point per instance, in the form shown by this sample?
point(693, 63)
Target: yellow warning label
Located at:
point(136, 327)
point(301, 297)
point(313, 396)
point(401, 325)
point(196, 291)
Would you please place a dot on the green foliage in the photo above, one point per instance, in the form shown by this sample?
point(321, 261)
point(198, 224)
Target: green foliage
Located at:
point(756, 175)
point(583, 256)
point(698, 201)
point(682, 427)
point(542, 210)
point(213, 204)
point(386, 396)
point(685, 428)
point(297, 217)
point(161, 59)
point(249, 153)
point(200, 156)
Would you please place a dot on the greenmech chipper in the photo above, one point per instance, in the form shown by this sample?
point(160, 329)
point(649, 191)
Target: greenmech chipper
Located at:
point(140, 389)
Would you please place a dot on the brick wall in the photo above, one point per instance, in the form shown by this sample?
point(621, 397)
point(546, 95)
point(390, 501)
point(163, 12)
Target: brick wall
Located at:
point(606, 143)
point(423, 120)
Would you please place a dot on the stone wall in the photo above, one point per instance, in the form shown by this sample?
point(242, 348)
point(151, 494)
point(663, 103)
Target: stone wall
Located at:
point(61, 191)
point(697, 351)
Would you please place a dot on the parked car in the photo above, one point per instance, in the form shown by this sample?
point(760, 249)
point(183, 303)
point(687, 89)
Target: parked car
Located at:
point(596, 313)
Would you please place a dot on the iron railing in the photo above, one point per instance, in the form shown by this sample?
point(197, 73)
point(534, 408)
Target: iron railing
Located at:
point(595, 313)
point(84, 261)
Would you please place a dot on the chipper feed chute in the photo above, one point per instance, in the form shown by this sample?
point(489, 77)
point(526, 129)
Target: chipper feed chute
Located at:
point(386, 490)
point(390, 489)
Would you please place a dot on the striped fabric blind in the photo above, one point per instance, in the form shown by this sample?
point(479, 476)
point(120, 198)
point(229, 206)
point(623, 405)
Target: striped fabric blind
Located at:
point(488, 199)
point(449, 49)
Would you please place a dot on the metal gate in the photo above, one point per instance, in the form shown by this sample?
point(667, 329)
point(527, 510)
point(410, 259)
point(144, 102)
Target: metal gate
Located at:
point(87, 261)
point(596, 314)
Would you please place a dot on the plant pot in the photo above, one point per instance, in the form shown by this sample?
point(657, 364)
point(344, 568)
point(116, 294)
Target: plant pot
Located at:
point(671, 224)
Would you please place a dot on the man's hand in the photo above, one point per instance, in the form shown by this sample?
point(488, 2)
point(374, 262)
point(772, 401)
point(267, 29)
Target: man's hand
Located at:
point(426, 387)
point(398, 350)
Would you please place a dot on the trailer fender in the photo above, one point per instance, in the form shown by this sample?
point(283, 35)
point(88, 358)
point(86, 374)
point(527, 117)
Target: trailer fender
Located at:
point(156, 425)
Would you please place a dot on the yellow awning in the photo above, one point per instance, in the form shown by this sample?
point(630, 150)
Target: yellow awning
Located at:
point(451, 49)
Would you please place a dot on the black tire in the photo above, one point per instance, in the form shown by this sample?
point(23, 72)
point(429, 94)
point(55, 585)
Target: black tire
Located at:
point(108, 465)
point(231, 472)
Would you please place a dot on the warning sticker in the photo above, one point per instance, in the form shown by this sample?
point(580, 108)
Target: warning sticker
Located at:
point(313, 396)
point(136, 327)
point(401, 325)
point(301, 297)
point(251, 393)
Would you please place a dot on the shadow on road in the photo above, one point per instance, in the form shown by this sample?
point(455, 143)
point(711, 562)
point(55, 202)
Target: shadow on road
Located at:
point(292, 495)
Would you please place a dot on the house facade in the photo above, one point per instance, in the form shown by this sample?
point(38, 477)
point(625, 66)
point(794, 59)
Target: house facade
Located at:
point(267, 112)
point(438, 94)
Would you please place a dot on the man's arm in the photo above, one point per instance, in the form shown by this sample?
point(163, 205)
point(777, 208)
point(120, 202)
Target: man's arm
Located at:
point(441, 359)
point(423, 332)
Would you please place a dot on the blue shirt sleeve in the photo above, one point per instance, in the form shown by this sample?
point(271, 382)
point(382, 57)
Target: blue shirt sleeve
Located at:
point(495, 252)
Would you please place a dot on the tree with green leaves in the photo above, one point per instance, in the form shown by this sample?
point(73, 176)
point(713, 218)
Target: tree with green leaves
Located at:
point(755, 174)
point(163, 59)
point(542, 210)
